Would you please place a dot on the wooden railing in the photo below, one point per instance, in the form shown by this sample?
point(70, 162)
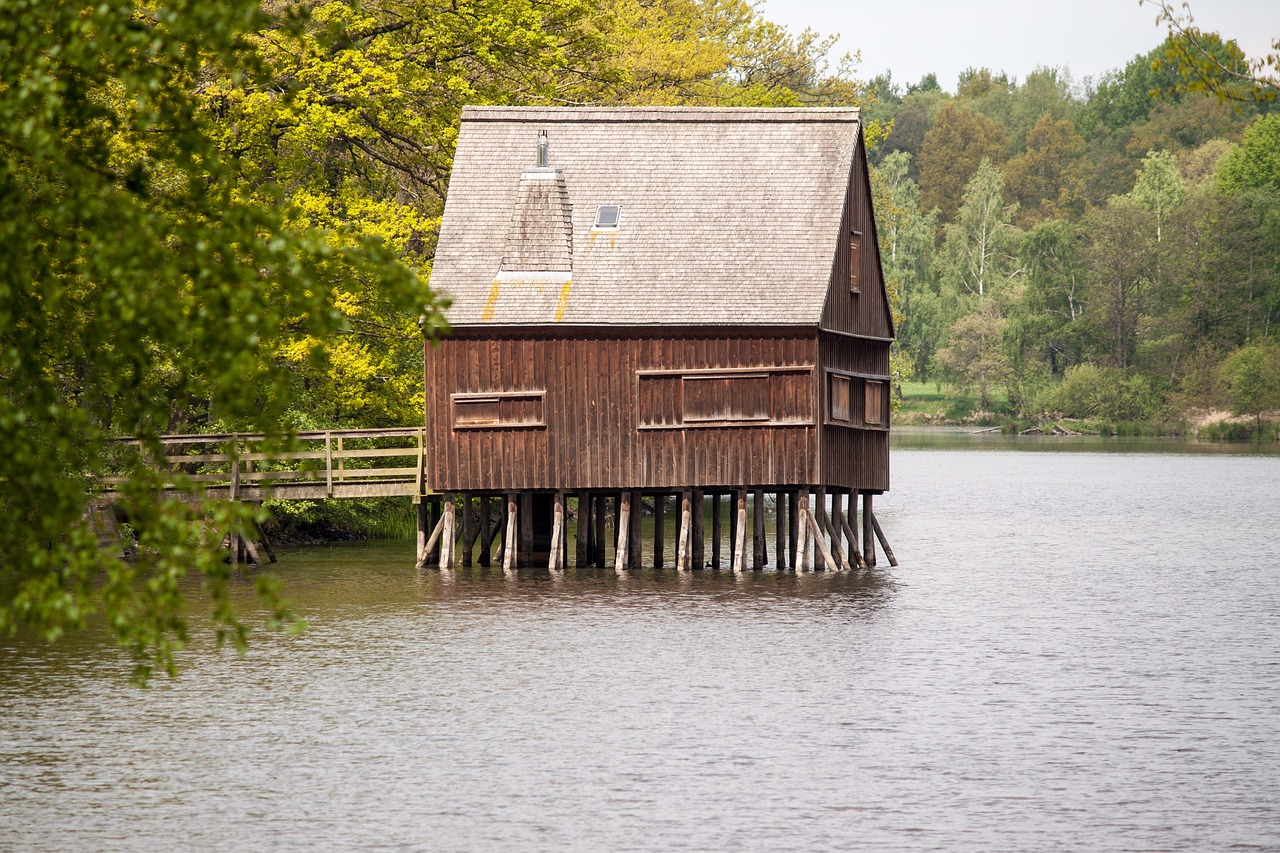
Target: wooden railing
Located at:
point(351, 463)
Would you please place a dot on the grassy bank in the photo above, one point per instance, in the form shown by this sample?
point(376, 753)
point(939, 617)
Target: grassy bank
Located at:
point(941, 404)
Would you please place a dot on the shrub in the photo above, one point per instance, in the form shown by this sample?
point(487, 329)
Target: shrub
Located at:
point(1089, 391)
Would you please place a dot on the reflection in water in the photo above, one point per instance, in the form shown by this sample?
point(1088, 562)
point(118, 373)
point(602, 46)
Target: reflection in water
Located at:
point(1078, 652)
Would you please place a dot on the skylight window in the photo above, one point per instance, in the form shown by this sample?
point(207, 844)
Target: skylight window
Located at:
point(607, 216)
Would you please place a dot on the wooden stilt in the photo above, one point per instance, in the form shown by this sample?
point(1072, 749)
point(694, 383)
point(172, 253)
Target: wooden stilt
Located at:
point(557, 534)
point(740, 540)
point(617, 522)
point(780, 529)
point(717, 533)
point(446, 538)
point(266, 543)
point(821, 543)
point(832, 527)
point(818, 509)
point(793, 529)
point(621, 552)
point(884, 543)
point(851, 535)
point(421, 543)
point(583, 555)
point(697, 533)
point(469, 530)
point(802, 543)
point(635, 532)
point(732, 510)
point(524, 555)
point(868, 534)
point(599, 511)
point(509, 535)
point(659, 529)
point(251, 551)
point(429, 543)
point(486, 531)
point(686, 524)
point(434, 514)
point(759, 554)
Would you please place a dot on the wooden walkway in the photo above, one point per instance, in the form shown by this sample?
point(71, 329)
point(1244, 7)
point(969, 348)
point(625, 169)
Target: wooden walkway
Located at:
point(351, 463)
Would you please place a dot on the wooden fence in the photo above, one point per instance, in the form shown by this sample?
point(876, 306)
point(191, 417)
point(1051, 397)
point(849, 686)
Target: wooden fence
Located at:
point(351, 463)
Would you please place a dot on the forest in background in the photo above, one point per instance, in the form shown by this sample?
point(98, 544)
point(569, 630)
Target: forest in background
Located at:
point(1105, 250)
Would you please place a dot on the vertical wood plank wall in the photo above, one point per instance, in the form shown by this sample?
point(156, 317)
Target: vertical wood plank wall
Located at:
point(591, 438)
point(867, 312)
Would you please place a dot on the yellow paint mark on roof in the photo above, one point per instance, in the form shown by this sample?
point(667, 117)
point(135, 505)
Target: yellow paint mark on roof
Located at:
point(564, 300)
point(491, 303)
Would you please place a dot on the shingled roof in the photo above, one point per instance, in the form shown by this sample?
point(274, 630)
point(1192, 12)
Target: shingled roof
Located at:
point(727, 216)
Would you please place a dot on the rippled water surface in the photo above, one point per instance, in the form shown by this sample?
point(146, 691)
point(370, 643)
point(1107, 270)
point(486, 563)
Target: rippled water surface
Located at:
point(1080, 651)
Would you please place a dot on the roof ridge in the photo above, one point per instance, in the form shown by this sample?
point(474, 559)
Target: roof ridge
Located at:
point(655, 114)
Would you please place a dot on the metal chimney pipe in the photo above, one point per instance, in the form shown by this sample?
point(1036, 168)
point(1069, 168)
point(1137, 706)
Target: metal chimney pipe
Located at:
point(542, 149)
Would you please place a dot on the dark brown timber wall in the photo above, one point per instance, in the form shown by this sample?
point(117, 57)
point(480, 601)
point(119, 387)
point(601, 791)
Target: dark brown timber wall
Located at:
point(582, 410)
point(855, 454)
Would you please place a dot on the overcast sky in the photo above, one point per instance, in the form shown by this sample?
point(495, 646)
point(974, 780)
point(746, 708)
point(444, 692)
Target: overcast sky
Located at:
point(914, 37)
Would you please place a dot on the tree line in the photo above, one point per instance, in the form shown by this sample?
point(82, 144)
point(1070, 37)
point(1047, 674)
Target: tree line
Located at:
point(1107, 249)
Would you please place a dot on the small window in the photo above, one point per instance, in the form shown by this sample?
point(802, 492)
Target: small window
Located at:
point(874, 412)
point(500, 410)
point(841, 394)
point(607, 216)
point(855, 261)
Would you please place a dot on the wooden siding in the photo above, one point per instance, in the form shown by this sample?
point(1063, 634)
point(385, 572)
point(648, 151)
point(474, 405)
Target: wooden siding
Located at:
point(865, 313)
point(596, 385)
point(853, 457)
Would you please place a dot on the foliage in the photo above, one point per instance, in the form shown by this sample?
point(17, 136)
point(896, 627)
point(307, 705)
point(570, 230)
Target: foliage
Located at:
point(137, 273)
point(1255, 164)
point(1107, 393)
point(951, 152)
point(1205, 62)
point(1252, 377)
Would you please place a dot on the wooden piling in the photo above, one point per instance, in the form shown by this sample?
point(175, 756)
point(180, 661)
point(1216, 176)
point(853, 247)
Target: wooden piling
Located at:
point(759, 550)
point(524, 556)
point(582, 555)
point(686, 525)
point(697, 533)
point(793, 529)
point(821, 543)
point(621, 552)
point(732, 510)
point(832, 526)
point(868, 534)
point(429, 543)
point(717, 533)
point(884, 543)
point(469, 530)
point(509, 535)
point(635, 534)
point(659, 529)
point(740, 543)
point(802, 544)
point(599, 511)
point(557, 534)
point(780, 530)
point(421, 511)
point(851, 536)
point(486, 531)
point(446, 537)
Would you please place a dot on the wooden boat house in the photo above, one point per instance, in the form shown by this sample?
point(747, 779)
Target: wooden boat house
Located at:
point(676, 306)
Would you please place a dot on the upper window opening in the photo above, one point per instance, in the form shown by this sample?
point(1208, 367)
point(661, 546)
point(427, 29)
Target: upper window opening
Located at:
point(855, 262)
point(607, 216)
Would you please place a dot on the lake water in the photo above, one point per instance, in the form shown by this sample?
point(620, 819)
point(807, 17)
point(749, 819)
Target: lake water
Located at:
point(1080, 651)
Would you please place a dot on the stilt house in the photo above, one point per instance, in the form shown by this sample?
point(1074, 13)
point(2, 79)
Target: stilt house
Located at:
point(654, 303)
